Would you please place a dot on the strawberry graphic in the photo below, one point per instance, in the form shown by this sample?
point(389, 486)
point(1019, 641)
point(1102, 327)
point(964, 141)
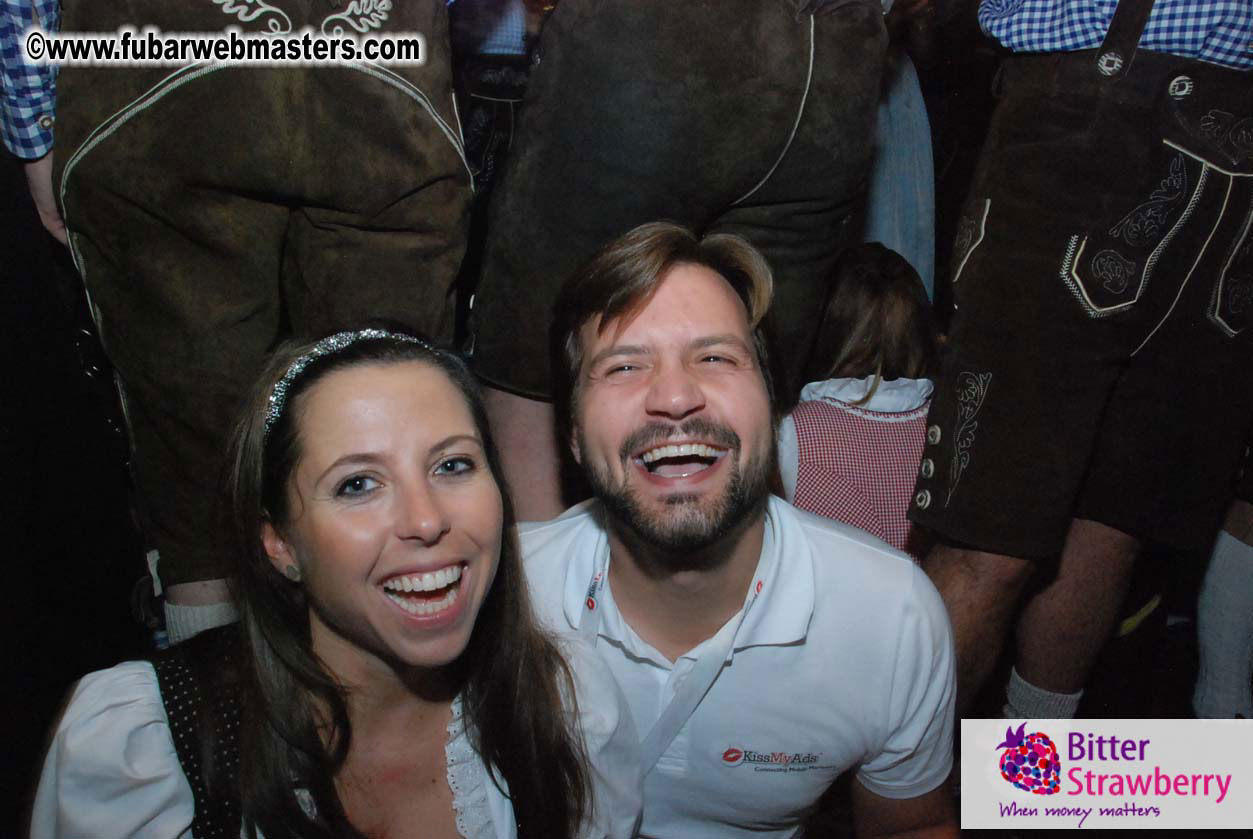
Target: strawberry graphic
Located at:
point(1030, 761)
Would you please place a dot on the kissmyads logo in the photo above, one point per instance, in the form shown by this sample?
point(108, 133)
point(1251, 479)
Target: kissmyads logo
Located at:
point(738, 757)
point(1111, 773)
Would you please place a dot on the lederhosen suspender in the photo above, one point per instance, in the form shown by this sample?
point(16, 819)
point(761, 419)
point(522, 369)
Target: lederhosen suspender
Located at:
point(1118, 49)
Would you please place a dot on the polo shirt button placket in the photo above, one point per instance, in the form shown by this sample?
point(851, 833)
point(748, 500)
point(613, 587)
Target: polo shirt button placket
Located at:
point(678, 674)
point(675, 758)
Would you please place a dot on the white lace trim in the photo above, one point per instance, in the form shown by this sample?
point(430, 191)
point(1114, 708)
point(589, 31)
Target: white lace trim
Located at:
point(892, 395)
point(467, 778)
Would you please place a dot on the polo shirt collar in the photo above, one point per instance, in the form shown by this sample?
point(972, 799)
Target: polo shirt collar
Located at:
point(785, 575)
point(783, 582)
point(584, 564)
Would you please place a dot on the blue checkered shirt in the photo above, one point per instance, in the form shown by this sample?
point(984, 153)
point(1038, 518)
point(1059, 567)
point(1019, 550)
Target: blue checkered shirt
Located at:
point(29, 92)
point(490, 27)
point(1217, 31)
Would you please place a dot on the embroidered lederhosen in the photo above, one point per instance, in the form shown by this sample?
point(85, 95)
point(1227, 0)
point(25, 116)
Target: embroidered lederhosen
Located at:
point(216, 209)
point(1203, 115)
point(202, 703)
point(1205, 118)
point(648, 109)
point(1098, 364)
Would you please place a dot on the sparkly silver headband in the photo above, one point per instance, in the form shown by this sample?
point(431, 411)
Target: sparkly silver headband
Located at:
point(329, 345)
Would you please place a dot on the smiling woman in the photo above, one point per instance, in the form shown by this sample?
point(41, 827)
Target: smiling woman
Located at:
point(387, 671)
point(393, 526)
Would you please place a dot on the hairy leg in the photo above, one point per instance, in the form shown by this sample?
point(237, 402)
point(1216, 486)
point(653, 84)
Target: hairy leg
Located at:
point(525, 436)
point(1066, 624)
point(981, 591)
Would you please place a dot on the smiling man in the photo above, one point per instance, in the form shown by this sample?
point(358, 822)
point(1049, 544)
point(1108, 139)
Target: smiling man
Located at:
point(763, 651)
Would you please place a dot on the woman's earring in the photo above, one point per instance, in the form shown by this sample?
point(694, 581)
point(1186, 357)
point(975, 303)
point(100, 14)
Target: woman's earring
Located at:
point(292, 571)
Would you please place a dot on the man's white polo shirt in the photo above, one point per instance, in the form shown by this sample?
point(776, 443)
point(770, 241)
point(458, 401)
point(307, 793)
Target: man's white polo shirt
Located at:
point(845, 660)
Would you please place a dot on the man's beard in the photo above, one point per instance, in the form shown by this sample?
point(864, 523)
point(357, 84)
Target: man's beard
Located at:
point(686, 527)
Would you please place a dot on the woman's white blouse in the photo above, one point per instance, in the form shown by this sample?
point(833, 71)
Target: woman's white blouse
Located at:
point(112, 769)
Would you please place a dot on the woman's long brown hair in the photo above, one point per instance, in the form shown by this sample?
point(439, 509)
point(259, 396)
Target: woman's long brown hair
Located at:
point(516, 689)
point(877, 322)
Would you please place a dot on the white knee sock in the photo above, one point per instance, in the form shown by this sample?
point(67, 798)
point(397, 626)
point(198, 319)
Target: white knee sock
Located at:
point(1028, 702)
point(1225, 632)
point(182, 622)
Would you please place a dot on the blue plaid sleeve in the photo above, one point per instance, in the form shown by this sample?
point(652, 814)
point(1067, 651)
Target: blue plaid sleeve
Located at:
point(508, 36)
point(27, 91)
point(489, 27)
point(1217, 31)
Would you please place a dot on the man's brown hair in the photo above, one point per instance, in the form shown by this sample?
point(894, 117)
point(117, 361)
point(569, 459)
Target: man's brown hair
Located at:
point(621, 278)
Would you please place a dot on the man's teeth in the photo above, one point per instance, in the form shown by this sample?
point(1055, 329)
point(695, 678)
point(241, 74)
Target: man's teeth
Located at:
point(430, 581)
point(684, 450)
point(424, 607)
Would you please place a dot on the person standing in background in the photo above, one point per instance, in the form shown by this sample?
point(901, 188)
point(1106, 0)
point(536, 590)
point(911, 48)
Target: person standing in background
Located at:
point(746, 117)
point(1095, 390)
point(214, 209)
point(851, 448)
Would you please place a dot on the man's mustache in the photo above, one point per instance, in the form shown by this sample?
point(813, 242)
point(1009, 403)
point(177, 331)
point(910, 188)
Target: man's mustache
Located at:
point(656, 433)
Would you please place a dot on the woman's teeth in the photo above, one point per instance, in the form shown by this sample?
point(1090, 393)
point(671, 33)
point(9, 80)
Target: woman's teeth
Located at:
point(430, 581)
point(410, 591)
point(424, 607)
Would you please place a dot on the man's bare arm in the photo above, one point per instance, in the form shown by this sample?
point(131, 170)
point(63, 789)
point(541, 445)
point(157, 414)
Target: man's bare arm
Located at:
point(928, 816)
point(39, 179)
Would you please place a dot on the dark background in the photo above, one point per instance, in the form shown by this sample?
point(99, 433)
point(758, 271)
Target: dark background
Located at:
point(70, 554)
point(73, 558)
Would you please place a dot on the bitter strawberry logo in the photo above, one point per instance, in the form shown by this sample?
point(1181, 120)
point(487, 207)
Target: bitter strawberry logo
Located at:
point(1030, 762)
point(733, 757)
